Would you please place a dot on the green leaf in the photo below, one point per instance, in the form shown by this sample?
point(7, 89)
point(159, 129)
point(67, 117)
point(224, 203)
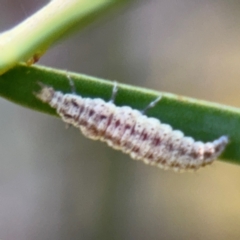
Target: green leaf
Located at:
point(202, 120)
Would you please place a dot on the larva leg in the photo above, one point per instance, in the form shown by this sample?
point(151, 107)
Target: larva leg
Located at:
point(114, 92)
point(71, 83)
point(73, 90)
point(152, 104)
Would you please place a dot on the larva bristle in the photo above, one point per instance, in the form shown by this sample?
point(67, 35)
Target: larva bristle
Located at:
point(132, 132)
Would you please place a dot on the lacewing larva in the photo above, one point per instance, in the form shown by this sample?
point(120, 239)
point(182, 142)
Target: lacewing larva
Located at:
point(131, 131)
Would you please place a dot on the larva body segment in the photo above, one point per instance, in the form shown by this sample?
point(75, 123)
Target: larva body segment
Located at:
point(132, 132)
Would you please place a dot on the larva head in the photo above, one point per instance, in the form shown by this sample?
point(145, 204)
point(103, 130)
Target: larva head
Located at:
point(45, 94)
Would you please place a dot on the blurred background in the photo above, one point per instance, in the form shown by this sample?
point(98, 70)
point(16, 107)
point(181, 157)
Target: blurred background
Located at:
point(56, 184)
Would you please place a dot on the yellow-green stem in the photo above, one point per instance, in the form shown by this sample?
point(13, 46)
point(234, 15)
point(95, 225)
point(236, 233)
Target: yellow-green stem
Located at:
point(32, 37)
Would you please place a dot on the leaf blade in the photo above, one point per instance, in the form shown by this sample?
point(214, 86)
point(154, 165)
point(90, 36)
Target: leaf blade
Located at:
point(202, 120)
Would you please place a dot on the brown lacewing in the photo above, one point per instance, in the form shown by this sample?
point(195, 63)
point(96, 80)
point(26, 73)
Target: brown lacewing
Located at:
point(131, 131)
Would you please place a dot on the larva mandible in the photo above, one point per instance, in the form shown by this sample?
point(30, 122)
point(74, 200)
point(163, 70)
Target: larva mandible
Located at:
point(143, 138)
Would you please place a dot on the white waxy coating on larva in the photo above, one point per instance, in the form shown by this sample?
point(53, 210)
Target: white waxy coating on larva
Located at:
point(129, 130)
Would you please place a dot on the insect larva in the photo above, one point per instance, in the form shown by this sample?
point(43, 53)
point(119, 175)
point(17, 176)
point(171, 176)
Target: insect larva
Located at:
point(144, 138)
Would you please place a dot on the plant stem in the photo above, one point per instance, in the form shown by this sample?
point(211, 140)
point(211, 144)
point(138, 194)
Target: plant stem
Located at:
point(30, 39)
point(201, 120)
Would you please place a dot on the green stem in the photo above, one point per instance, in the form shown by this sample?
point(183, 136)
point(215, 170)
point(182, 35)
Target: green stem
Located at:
point(202, 120)
point(30, 39)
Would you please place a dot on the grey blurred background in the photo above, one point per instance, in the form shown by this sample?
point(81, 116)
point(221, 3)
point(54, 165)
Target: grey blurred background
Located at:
point(56, 184)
